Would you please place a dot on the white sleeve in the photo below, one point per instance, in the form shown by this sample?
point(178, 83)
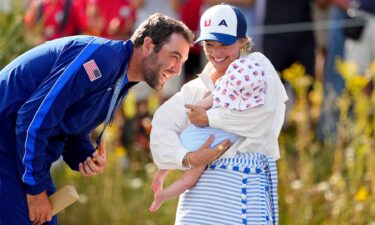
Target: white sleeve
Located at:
point(252, 124)
point(167, 123)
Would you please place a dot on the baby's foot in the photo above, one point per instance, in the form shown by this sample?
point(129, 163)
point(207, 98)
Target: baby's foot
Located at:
point(158, 200)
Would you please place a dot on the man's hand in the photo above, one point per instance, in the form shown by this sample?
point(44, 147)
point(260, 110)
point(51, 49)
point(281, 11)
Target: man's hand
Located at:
point(39, 208)
point(95, 164)
point(197, 115)
point(205, 155)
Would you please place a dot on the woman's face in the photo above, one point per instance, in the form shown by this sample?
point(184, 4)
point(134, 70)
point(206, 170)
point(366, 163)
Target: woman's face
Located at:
point(220, 55)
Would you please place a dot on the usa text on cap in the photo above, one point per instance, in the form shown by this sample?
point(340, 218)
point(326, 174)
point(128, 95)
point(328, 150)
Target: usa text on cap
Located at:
point(223, 23)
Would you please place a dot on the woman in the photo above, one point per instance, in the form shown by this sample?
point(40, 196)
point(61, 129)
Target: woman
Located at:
point(239, 186)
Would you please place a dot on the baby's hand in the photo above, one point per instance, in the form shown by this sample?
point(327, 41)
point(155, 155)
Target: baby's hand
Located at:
point(206, 102)
point(197, 115)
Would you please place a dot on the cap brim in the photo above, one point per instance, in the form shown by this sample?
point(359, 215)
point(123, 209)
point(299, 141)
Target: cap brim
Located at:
point(222, 38)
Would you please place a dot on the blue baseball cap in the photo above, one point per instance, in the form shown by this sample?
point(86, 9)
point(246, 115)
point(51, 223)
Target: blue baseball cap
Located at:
point(223, 23)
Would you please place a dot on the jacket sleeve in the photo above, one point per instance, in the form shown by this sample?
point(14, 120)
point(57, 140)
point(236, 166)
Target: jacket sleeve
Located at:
point(77, 148)
point(42, 113)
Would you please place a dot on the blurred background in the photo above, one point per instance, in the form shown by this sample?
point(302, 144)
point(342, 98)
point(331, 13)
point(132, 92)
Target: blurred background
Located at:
point(324, 51)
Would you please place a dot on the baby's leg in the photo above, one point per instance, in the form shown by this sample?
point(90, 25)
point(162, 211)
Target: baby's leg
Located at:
point(157, 182)
point(187, 181)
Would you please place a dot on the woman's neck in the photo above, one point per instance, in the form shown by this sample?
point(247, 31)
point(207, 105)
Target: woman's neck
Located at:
point(215, 75)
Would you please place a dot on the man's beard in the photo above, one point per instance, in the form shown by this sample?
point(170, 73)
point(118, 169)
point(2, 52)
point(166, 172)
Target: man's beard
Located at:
point(151, 71)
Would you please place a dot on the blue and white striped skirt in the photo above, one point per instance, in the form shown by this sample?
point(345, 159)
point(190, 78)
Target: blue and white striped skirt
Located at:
point(239, 190)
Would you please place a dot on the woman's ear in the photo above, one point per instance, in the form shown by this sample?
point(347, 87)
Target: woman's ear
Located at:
point(245, 46)
point(242, 43)
point(148, 46)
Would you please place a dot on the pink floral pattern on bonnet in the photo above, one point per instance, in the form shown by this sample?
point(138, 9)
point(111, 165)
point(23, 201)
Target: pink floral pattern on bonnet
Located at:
point(242, 87)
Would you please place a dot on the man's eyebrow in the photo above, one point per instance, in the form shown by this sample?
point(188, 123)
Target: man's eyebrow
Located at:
point(179, 55)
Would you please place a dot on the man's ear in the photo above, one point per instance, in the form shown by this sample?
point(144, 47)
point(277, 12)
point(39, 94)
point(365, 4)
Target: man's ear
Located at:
point(148, 46)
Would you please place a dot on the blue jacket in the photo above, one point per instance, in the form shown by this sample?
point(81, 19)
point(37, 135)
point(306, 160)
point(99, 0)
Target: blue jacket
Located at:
point(46, 112)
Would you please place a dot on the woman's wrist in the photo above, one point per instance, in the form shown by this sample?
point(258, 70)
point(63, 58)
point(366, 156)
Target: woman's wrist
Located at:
point(186, 161)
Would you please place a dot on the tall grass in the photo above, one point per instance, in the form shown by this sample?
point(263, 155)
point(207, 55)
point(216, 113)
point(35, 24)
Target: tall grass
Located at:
point(325, 182)
point(12, 37)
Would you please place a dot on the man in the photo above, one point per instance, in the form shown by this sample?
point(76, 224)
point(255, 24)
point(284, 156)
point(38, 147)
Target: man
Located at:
point(55, 94)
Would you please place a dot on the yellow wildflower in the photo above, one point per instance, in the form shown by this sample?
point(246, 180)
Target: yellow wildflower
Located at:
point(120, 151)
point(129, 107)
point(356, 83)
point(347, 69)
point(362, 194)
point(372, 68)
point(153, 102)
point(296, 77)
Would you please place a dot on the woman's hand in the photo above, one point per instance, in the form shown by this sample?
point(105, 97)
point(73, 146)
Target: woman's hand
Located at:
point(197, 115)
point(95, 164)
point(205, 155)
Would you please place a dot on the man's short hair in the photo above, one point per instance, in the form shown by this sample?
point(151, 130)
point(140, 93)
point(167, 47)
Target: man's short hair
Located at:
point(159, 28)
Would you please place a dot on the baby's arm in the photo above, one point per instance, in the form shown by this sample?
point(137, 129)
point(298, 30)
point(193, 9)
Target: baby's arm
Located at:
point(206, 102)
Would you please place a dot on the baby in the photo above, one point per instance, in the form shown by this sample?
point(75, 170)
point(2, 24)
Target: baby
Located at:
point(241, 88)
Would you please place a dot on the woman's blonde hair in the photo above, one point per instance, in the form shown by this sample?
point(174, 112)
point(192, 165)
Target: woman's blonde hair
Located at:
point(247, 45)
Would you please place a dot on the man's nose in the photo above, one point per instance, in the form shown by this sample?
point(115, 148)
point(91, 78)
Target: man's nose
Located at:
point(176, 68)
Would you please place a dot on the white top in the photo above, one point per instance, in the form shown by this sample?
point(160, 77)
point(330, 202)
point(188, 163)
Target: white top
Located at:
point(259, 129)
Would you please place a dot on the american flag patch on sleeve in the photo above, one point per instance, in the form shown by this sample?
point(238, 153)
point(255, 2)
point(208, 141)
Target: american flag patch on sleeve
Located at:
point(92, 70)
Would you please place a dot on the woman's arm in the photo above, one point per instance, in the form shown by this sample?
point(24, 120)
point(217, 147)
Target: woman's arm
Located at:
point(168, 122)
